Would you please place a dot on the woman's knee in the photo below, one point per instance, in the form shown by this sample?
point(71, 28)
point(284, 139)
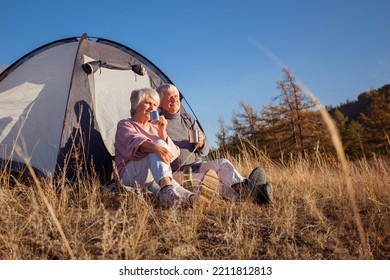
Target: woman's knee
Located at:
point(161, 143)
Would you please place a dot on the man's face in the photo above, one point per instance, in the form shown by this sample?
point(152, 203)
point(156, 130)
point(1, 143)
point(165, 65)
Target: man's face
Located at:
point(171, 101)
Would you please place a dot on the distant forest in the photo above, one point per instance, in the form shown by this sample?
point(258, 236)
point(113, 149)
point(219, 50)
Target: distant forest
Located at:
point(292, 126)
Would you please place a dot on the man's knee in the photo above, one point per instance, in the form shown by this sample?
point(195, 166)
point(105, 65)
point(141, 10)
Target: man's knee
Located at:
point(224, 162)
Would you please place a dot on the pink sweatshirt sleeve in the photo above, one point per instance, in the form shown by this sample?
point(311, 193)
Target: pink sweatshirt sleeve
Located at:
point(128, 140)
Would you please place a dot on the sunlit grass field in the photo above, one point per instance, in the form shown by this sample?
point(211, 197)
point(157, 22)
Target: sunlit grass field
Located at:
point(311, 217)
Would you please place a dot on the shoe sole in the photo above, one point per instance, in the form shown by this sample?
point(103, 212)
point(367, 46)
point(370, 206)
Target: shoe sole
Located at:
point(265, 195)
point(209, 188)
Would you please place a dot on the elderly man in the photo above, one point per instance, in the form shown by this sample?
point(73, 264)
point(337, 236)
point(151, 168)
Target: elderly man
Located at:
point(234, 185)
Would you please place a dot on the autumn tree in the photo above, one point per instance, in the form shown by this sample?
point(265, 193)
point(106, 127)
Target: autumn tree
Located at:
point(354, 140)
point(376, 121)
point(295, 116)
point(246, 123)
point(292, 124)
point(222, 135)
point(351, 133)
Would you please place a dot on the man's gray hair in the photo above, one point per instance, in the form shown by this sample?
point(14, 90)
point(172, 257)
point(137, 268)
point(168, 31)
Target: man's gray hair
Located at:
point(162, 89)
point(139, 95)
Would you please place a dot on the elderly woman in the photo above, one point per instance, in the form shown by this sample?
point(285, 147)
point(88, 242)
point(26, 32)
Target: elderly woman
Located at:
point(144, 151)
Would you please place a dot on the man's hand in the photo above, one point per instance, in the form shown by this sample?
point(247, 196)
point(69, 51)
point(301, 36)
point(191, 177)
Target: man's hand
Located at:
point(201, 140)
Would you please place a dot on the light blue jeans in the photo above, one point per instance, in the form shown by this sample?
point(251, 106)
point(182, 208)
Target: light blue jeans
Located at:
point(146, 173)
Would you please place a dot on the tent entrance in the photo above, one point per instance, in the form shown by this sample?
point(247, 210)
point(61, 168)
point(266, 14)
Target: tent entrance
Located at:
point(111, 90)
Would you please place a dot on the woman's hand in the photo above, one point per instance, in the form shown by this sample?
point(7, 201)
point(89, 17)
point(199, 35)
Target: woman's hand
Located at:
point(163, 153)
point(162, 128)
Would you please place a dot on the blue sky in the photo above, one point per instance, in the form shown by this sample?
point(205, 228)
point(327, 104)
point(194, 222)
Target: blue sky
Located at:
point(219, 53)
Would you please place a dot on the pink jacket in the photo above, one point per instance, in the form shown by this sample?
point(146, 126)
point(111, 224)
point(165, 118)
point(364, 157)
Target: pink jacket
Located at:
point(128, 139)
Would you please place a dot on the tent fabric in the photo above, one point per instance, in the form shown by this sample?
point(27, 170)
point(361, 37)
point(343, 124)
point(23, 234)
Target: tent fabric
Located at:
point(109, 111)
point(40, 84)
point(61, 119)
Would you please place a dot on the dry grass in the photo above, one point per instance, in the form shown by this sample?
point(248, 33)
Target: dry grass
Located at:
point(311, 218)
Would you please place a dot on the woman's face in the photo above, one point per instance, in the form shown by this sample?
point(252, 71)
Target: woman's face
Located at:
point(143, 110)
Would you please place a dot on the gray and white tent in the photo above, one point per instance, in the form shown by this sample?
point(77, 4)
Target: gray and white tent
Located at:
point(60, 104)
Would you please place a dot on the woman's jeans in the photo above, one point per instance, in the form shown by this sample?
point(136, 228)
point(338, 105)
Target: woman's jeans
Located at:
point(146, 174)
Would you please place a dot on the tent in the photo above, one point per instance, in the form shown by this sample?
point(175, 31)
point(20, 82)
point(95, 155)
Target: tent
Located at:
point(60, 104)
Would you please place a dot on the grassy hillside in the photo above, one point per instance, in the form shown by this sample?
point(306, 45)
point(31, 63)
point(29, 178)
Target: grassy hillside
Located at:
point(312, 217)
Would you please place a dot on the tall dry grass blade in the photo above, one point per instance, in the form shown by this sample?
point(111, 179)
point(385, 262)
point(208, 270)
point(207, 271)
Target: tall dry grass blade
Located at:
point(336, 139)
point(337, 143)
point(20, 152)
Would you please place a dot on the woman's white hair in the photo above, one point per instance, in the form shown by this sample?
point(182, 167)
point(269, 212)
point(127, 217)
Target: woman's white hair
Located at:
point(139, 95)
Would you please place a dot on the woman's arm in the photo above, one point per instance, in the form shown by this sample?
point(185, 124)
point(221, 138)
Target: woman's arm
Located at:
point(162, 152)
